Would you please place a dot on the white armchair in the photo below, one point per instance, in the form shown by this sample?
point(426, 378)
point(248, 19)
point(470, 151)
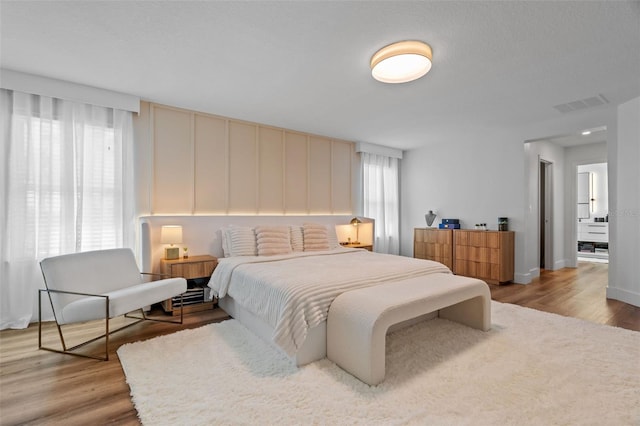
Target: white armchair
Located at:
point(100, 284)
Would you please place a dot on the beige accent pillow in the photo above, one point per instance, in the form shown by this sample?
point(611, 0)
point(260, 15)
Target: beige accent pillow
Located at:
point(272, 240)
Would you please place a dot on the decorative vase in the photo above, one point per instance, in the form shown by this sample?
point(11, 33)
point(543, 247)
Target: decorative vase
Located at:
point(430, 217)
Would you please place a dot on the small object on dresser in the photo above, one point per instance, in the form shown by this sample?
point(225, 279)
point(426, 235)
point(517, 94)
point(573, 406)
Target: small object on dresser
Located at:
point(449, 226)
point(503, 224)
point(186, 253)
point(430, 217)
point(451, 221)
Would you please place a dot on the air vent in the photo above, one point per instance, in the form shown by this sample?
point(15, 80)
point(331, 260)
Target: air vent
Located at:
point(582, 104)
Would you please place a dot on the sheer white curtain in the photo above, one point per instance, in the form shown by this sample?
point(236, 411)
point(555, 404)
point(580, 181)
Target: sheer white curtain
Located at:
point(66, 186)
point(381, 201)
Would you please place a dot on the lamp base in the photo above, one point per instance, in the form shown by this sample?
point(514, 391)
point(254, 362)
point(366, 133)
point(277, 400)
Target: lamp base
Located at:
point(172, 253)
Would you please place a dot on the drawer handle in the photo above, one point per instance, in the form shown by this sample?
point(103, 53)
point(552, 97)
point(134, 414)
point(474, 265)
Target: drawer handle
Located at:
point(601, 233)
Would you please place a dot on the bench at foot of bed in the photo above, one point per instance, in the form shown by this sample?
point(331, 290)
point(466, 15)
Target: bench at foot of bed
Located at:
point(358, 320)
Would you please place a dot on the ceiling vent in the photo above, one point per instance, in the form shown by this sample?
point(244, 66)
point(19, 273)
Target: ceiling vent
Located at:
point(582, 104)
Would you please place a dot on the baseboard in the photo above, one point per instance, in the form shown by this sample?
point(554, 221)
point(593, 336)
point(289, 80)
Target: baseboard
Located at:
point(622, 295)
point(520, 278)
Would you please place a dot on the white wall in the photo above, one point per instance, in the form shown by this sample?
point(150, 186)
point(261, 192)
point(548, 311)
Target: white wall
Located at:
point(480, 176)
point(475, 178)
point(624, 206)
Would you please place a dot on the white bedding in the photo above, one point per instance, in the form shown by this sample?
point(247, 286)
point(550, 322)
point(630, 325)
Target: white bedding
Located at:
point(292, 293)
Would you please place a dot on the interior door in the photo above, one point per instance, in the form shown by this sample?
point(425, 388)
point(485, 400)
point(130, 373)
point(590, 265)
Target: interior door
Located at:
point(545, 212)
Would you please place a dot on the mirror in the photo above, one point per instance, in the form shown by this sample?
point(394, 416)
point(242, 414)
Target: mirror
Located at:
point(584, 194)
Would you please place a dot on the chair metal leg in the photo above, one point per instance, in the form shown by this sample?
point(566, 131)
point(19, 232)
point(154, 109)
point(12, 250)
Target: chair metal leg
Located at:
point(69, 351)
point(107, 333)
point(146, 318)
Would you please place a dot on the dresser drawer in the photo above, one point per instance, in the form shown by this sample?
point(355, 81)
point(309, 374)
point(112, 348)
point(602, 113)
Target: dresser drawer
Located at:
point(597, 232)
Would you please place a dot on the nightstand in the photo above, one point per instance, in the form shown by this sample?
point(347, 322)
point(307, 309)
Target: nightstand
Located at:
point(364, 246)
point(197, 270)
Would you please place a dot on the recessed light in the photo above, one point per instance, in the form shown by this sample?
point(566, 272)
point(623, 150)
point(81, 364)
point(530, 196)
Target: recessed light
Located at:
point(586, 132)
point(401, 62)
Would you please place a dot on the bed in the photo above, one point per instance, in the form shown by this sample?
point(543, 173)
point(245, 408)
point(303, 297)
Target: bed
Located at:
point(284, 298)
point(317, 260)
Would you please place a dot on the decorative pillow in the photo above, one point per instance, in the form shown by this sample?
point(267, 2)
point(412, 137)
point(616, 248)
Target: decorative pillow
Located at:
point(315, 237)
point(272, 240)
point(224, 234)
point(333, 237)
point(241, 241)
point(297, 240)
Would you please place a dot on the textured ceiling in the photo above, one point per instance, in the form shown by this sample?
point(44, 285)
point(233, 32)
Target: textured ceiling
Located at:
point(304, 65)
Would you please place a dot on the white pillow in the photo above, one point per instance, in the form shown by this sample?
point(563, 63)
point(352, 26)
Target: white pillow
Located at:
point(315, 237)
point(241, 241)
point(332, 237)
point(224, 234)
point(272, 240)
point(297, 240)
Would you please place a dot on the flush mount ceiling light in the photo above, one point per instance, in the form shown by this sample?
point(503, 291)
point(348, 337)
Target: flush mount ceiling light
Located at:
point(401, 62)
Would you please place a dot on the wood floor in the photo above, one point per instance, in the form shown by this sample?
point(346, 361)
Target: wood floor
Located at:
point(39, 387)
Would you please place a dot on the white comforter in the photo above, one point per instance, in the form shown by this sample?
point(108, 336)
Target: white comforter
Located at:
point(292, 293)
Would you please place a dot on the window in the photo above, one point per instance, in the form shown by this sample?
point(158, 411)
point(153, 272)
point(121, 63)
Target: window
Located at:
point(67, 189)
point(381, 201)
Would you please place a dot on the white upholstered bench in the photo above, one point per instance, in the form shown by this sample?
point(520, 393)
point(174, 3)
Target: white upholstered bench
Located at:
point(358, 320)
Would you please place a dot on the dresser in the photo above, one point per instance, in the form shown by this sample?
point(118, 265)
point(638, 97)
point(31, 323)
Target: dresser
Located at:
point(593, 239)
point(487, 255)
point(434, 244)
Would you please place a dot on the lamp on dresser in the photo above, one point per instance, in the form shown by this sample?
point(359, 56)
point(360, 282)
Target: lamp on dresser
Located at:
point(171, 234)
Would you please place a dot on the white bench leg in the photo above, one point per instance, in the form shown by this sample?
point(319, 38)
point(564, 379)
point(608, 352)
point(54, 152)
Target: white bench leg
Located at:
point(475, 313)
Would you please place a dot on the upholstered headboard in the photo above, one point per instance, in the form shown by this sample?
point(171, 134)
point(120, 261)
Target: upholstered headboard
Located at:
point(201, 234)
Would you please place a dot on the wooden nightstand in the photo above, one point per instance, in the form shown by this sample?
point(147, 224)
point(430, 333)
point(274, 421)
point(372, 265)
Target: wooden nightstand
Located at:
point(364, 246)
point(197, 270)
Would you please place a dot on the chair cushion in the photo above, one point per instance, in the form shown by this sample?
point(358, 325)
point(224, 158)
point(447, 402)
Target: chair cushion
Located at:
point(123, 300)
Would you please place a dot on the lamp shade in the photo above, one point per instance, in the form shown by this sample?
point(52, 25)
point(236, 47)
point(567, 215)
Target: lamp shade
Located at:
point(401, 62)
point(171, 234)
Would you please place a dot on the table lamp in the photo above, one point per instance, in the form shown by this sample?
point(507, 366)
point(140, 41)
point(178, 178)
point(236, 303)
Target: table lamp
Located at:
point(355, 222)
point(171, 234)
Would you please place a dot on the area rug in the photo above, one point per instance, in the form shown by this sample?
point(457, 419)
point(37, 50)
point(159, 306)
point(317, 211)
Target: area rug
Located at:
point(532, 368)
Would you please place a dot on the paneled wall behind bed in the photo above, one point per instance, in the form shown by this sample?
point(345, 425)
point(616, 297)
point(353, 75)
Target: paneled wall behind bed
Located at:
point(193, 163)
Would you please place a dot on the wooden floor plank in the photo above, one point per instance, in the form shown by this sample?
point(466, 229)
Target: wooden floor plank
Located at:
point(39, 387)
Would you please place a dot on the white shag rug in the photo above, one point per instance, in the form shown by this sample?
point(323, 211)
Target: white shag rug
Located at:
point(532, 368)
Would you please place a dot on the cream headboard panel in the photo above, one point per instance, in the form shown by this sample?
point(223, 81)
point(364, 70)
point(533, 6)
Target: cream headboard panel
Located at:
point(201, 234)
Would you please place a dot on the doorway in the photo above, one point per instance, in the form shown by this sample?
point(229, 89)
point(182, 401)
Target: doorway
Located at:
point(593, 208)
point(545, 201)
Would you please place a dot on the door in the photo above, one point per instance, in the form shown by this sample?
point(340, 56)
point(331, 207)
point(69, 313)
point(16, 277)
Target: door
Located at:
point(545, 224)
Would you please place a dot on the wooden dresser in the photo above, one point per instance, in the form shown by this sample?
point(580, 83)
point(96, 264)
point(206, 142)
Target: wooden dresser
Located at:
point(487, 255)
point(434, 244)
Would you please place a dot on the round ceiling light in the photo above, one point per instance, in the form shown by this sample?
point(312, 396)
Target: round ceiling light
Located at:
point(401, 62)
